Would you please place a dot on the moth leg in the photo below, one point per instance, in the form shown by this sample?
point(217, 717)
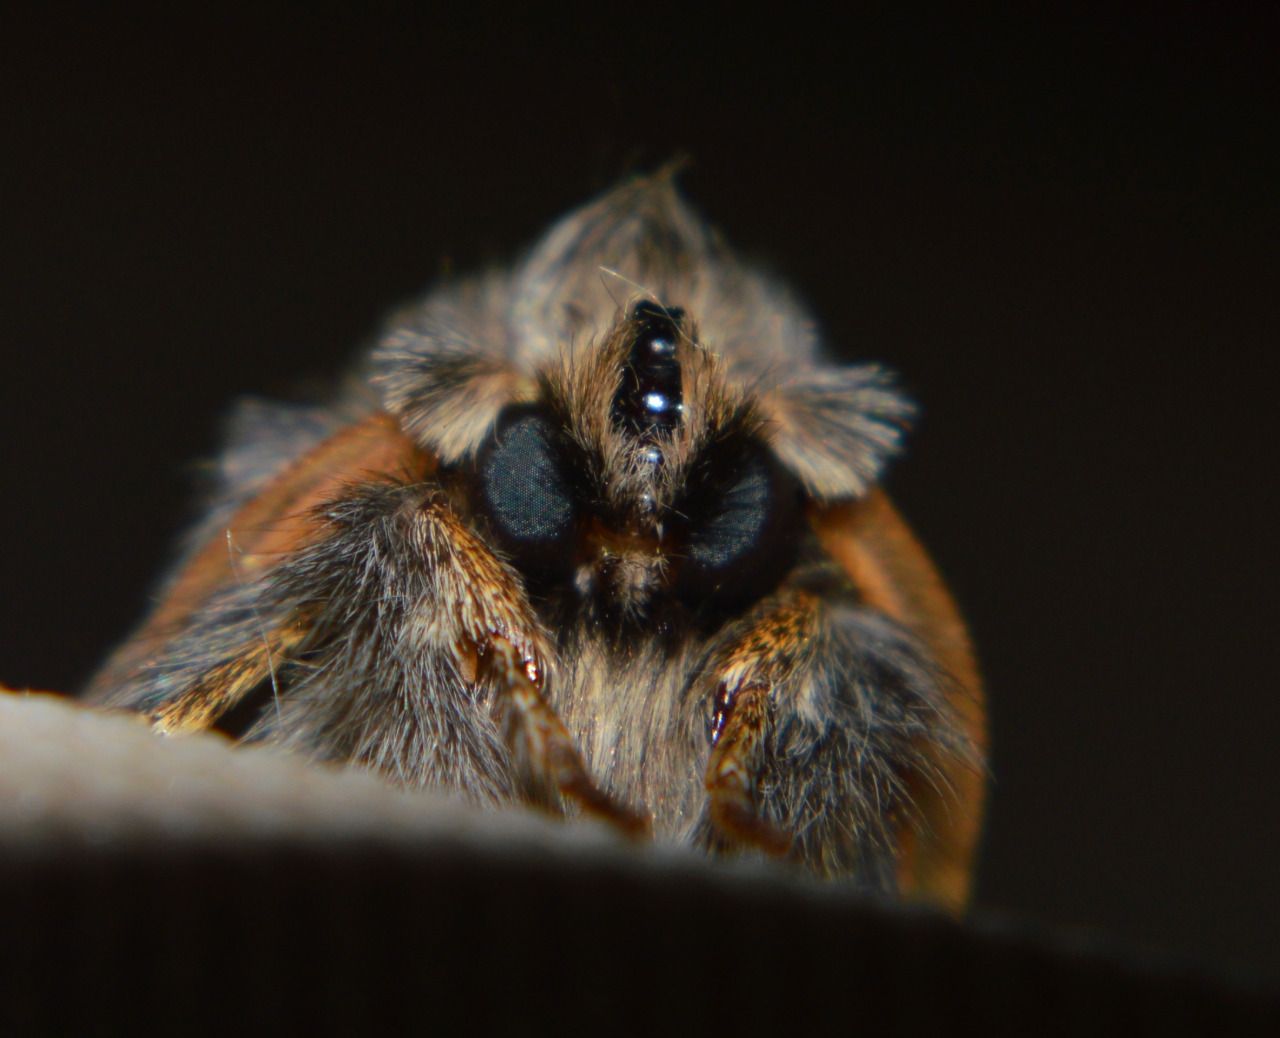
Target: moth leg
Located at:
point(734, 767)
point(550, 748)
point(424, 645)
point(748, 674)
point(225, 685)
point(184, 676)
point(826, 716)
point(388, 634)
point(498, 620)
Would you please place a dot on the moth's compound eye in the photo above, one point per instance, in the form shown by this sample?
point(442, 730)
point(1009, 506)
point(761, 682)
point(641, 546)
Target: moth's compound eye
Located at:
point(524, 486)
point(742, 528)
point(731, 531)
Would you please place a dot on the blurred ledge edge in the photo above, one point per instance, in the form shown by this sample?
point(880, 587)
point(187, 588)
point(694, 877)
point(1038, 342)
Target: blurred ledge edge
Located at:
point(195, 887)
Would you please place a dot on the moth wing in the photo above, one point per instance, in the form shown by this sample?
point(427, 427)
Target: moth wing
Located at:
point(895, 575)
point(276, 521)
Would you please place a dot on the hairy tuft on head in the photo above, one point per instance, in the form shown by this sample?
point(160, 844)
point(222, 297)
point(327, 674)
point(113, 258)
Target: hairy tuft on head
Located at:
point(554, 330)
point(837, 428)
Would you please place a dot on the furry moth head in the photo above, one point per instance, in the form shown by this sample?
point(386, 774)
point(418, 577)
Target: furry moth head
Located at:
point(641, 406)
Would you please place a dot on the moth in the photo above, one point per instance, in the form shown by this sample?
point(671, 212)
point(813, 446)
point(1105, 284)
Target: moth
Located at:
point(602, 534)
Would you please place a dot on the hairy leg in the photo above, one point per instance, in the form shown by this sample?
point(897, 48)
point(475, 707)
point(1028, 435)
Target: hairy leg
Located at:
point(762, 659)
point(391, 639)
point(823, 712)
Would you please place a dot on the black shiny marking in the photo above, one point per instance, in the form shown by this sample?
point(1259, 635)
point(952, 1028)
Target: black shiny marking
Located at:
point(650, 401)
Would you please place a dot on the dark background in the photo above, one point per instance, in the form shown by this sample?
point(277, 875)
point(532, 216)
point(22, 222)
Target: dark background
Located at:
point(1062, 232)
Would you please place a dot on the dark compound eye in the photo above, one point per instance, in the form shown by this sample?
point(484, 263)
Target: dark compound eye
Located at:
point(735, 526)
point(742, 528)
point(524, 487)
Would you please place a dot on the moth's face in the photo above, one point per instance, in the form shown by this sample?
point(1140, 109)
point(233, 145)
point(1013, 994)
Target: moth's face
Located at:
point(637, 480)
point(634, 417)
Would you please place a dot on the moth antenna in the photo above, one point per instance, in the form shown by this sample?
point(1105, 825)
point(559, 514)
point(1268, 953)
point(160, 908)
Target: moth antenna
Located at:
point(650, 294)
point(604, 283)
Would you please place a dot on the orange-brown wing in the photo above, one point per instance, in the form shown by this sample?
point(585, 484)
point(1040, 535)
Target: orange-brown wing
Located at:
point(278, 521)
point(895, 575)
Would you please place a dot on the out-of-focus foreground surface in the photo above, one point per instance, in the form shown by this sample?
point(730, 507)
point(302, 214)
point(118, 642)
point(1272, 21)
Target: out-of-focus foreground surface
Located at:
point(189, 884)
